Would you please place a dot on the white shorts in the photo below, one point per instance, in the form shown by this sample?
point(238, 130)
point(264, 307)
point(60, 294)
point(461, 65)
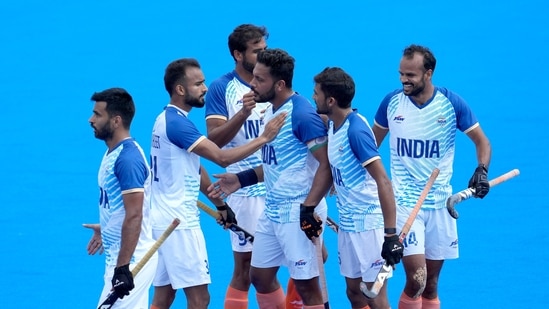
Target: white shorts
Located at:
point(359, 254)
point(278, 244)
point(433, 233)
point(183, 261)
point(139, 296)
point(247, 211)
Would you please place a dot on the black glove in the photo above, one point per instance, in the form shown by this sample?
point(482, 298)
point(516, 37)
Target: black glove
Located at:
point(309, 223)
point(231, 217)
point(392, 250)
point(479, 181)
point(122, 281)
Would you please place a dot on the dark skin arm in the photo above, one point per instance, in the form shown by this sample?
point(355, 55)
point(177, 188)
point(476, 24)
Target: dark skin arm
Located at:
point(322, 180)
point(131, 227)
point(482, 144)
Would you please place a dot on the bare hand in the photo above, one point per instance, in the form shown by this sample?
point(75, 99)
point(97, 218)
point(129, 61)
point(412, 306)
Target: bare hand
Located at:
point(95, 244)
point(226, 184)
point(248, 103)
point(273, 126)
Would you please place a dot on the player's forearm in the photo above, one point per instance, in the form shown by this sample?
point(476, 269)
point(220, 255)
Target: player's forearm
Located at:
point(131, 229)
point(230, 156)
point(387, 201)
point(223, 134)
point(484, 152)
point(321, 184)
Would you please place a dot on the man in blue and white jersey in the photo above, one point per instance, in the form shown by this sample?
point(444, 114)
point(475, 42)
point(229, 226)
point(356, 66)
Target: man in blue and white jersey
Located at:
point(124, 232)
point(423, 120)
point(365, 199)
point(176, 148)
point(233, 118)
point(297, 176)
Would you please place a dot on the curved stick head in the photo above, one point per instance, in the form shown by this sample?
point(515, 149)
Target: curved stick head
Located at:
point(450, 206)
point(366, 292)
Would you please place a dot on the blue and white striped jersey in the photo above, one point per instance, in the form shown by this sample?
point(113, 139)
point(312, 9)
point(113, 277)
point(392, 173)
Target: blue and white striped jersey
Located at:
point(351, 148)
point(123, 170)
point(223, 101)
point(175, 170)
point(288, 165)
point(421, 139)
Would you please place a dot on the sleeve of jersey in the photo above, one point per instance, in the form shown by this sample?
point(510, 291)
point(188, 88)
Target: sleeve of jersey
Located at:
point(307, 124)
point(381, 115)
point(216, 107)
point(182, 132)
point(131, 170)
point(466, 120)
point(362, 143)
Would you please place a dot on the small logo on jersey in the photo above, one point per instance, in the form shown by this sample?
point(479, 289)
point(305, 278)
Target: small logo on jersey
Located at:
point(340, 149)
point(300, 263)
point(239, 102)
point(441, 121)
point(454, 244)
point(377, 263)
point(398, 119)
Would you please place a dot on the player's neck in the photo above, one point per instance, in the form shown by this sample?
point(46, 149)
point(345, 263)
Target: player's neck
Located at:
point(181, 105)
point(117, 137)
point(282, 97)
point(244, 74)
point(425, 95)
point(339, 115)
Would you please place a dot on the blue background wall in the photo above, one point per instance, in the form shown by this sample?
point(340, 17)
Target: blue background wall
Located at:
point(55, 54)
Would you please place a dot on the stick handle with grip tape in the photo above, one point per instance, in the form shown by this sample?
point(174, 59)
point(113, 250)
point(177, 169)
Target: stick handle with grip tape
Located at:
point(386, 268)
point(469, 192)
point(233, 227)
point(113, 296)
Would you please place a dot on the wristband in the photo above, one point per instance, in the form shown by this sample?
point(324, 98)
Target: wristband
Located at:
point(222, 208)
point(390, 230)
point(247, 178)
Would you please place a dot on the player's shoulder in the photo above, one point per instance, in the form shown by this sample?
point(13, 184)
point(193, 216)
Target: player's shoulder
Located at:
point(394, 93)
point(452, 96)
point(223, 80)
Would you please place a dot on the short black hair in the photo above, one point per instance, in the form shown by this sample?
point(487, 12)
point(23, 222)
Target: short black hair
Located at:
point(119, 103)
point(243, 34)
point(175, 72)
point(280, 64)
point(336, 83)
point(429, 60)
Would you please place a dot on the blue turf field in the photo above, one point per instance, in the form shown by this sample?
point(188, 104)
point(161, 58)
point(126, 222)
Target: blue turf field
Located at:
point(55, 54)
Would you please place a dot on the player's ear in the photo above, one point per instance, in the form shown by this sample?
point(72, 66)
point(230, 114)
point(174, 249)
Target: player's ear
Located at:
point(280, 85)
point(238, 56)
point(180, 90)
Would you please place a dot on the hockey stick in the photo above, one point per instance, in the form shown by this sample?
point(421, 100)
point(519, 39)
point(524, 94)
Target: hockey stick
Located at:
point(322, 273)
point(386, 268)
point(233, 227)
point(332, 224)
point(113, 296)
point(468, 193)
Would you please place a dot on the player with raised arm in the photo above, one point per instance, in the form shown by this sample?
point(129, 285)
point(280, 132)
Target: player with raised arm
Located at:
point(423, 120)
point(365, 199)
point(124, 232)
point(233, 118)
point(176, 148)
point(297, 176)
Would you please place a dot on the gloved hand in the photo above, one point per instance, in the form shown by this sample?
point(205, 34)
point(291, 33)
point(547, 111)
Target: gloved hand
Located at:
point(228, 217)
point(310, 224)
point(392, 250)
point(122, 281)
point(479, 181)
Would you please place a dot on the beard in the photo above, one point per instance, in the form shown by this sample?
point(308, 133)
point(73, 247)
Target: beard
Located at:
point(248, 66)
point(416, 89)
point(266, 97)
point(195, 101)
point(105, 133)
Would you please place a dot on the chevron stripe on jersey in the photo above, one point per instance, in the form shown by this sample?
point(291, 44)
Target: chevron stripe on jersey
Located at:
point(350, 148)
point(223, 101)
point(288, 165)
point(422, 138)
point(123, 170)
point(176, 170)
